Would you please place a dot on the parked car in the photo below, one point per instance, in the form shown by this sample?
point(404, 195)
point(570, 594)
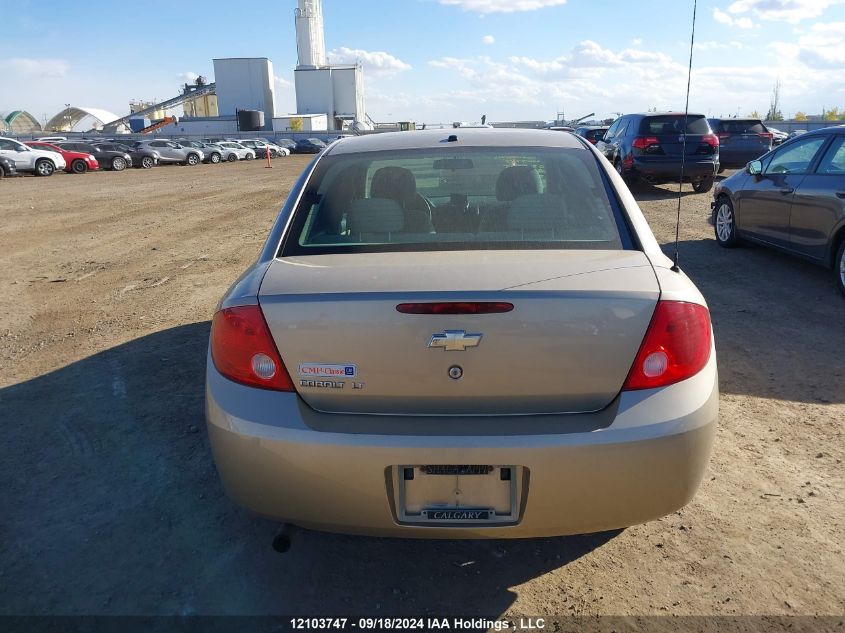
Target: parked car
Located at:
point(791, 199)
point(211, 153)
point(591, 132)
point(740, 140)
point(379, 358)
point(75, 162)
point(260, 147)
point(778, 136)
point(649, 146)
point(236, 151)
point(173, 152)
point(142, 157)
point(309, 146)
point(51, 139)
point(7, 167)
point(27, 159)
point(288, 143)
point(112, 160)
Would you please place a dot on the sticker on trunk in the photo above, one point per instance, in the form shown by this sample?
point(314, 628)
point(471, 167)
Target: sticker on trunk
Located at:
point(328, 370)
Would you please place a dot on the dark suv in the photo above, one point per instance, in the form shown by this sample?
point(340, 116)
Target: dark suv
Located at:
point(649, 146)
point(740, 141)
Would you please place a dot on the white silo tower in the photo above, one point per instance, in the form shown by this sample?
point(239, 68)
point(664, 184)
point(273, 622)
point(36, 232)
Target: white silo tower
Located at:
point(310, 41)
point(334, 90)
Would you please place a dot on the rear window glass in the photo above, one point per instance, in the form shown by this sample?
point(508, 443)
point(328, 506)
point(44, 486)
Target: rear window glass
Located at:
point(674, 124)
point(742, 127)
point(473, 198)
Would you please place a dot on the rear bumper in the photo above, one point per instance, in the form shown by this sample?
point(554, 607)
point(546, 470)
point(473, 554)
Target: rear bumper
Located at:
point(670, 170)
point(645, 463)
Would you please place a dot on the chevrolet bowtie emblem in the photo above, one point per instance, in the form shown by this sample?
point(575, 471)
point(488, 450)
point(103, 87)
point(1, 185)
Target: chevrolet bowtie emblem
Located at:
point(454, 340)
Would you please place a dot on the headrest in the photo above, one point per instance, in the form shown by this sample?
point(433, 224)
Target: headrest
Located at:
point(396, 183)
point(516, 181)
point(376, 215)
point(537, 212)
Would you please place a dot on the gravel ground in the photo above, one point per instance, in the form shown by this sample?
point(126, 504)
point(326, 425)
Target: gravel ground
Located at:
point(111, 504)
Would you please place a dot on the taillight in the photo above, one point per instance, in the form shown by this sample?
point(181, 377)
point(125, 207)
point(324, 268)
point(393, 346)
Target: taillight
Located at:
point(767, 135)
point(676, 346)
point(643, 142)
point(593, 140)
point(711, 139)
point(243, 349)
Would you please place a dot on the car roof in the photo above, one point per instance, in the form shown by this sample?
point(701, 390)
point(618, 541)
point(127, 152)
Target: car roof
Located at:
point(665, 113)
point(835, 129)
point(468, 137)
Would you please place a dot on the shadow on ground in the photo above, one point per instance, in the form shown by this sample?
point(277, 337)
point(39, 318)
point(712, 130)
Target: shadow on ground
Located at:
point(112, 505)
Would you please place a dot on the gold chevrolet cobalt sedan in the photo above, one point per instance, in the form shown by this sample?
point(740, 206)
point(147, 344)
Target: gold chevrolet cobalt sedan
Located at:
point(467, 333)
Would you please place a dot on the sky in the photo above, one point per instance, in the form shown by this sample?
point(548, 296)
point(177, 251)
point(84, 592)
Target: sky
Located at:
point(441, 60)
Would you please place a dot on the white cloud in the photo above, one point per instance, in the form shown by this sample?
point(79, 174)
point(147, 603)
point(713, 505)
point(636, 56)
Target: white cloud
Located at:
point(488, 39)
point(637, 41)
point(375, 62)
point(36, 68)
point(792, 11)
point(724, 18)
point(714, 45)
point(281, 82)
point(502, 6)
point(822, 48)
point(187, 77)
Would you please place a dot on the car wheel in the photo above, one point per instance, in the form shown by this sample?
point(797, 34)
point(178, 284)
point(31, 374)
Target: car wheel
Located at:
point(118, 163)
point(274, 153)
point(839, 266)
point(44, 167)
point(703, 186)
point(78, 167)
point(192, 160)
point(2, 172)
point(214, 158)
point(724, 223)
point(250, 156)
point(232, 158)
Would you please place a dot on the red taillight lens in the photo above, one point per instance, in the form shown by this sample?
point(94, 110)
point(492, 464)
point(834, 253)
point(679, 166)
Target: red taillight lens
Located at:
point(767, 135)
point(676, 346)
point(243, 349)
point(710, 139)
point(643, 142)
point(593, 140)
point(455, 307)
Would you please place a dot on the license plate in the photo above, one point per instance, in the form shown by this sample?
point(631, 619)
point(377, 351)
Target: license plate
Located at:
point(464, 494)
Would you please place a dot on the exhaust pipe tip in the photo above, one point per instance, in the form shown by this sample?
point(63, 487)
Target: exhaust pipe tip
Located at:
point(282, 540)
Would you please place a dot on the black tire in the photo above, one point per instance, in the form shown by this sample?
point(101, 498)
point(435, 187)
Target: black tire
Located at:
point(2, 172)
point(274, 153)
point(78, 166)
point(839, 266)
point(192, 159)
point(724, 223)
point(44, 167)
point(214, 158)
point(232, 157)
point(628, 178)
point(118, 163)
point(147, 162)
point(703, 186)
point(250, 156)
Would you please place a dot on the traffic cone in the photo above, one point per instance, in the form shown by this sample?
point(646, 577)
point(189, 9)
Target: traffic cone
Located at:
point(267, 155)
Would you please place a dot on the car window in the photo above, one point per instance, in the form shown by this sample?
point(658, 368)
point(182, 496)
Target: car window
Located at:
point(417, 200)
point(833, 161)
point(158, 144)
point(613, 128)
point(738, 126)
point(8, 145)
point(796, 157)
point(674, 124)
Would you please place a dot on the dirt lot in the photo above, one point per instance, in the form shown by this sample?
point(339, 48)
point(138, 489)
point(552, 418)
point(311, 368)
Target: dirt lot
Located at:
point(111, 504)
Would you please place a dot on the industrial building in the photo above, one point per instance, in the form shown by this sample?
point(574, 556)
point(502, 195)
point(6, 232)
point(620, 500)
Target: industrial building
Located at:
point(242, 97)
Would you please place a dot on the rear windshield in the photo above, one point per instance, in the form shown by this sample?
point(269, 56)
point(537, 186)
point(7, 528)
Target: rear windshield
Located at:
point(742, 127)
point(674, 124)
point(473, 198)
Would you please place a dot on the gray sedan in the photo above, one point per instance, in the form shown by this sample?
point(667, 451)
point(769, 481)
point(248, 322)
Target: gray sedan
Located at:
point(468, 333)
point(173, 152)
point(792, 199)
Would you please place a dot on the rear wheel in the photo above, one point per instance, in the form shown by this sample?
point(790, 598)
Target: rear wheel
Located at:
point(214, 158)
point(147, 162)
point(44, 167)
point(78, 166)
point(192, 160)
point(118, 163)
point(724, 223)
point(2, 172)
point(232, 157)
point(250, 156)
point(839, 266)
point(628, 178)
point(702, 186)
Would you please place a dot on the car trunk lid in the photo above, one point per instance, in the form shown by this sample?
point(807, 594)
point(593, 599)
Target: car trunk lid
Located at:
point(577, 322)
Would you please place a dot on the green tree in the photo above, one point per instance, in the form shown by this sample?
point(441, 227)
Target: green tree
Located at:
point(800, 116)
point(754, 115)
point(832, 115)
